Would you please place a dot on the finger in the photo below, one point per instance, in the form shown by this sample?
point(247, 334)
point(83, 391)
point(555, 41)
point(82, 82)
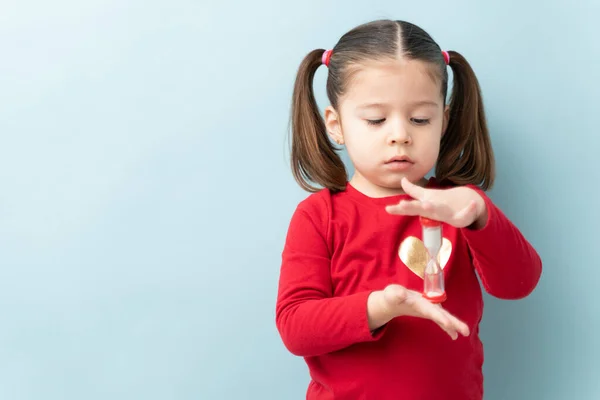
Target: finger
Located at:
point(414, 191)
point(437, 315)
point(459, 325)
point(425, 309)
point(406, 207)
point(449, 323)
point(414, 207)
point(414, 304)
point(429, 208)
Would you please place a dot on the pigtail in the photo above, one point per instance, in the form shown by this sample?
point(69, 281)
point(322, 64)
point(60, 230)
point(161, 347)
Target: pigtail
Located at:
point(313, 157)
point(466, 155)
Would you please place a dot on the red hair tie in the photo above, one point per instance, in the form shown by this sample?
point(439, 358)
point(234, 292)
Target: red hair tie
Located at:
point(446, 57)
point(326, 57)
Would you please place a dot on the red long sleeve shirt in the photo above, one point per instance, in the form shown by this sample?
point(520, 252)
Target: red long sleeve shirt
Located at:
point(340, 248)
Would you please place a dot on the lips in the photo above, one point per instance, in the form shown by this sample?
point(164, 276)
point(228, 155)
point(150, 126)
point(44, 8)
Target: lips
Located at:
point(399, 164)
point(399, 159)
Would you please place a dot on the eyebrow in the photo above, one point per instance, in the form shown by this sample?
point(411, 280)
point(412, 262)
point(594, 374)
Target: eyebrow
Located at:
point(371, 105)
point(429, 103)
point(383, 105)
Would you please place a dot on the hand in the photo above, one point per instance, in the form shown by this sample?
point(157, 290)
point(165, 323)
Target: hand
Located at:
point(458, 206)
point(396, 300)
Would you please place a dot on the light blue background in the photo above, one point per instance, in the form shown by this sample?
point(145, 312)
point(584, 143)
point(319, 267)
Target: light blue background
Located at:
point(145, 190)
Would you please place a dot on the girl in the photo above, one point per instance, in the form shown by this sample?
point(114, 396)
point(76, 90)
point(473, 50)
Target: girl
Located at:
point(349, 298)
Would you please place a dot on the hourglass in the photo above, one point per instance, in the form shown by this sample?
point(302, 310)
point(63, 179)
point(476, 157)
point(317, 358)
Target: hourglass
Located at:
point(433, 277)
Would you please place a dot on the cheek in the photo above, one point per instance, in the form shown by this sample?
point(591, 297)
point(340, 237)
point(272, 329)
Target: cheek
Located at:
point(432, 148)
point(361, 146)
point(435, 150)
point(427, 143)
point(357, 136)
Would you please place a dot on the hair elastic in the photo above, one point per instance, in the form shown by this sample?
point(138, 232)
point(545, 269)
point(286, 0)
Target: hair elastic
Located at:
point(446, 56)
point(326, 57)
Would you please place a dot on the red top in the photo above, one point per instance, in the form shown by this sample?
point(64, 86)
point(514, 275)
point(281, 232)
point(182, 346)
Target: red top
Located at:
point(340, 248)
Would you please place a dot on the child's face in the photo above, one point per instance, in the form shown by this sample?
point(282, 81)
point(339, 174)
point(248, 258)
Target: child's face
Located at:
point(390, 109)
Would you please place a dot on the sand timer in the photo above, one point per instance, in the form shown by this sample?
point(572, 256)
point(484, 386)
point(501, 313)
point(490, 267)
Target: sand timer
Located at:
point(433, 277)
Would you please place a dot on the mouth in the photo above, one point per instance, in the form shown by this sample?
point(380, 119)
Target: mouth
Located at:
point(400, 160)
point(399, 164)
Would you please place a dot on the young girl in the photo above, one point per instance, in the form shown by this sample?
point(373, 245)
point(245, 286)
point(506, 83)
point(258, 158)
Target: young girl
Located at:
point(350, 292)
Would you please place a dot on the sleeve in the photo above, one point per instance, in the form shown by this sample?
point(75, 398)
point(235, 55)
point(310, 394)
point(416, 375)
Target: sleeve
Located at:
point(309, 318)
point(508, 265)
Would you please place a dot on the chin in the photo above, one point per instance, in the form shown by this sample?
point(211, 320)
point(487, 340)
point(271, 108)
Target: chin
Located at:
point(391, 183)
point(395, 182)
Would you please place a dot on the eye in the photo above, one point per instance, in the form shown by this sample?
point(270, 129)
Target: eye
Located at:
point(420, 121)
point(376, 121)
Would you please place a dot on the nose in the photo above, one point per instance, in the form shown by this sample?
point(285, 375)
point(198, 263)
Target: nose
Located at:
point(399, 135)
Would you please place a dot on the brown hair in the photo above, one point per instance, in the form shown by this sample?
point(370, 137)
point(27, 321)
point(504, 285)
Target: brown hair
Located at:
point(466, 155)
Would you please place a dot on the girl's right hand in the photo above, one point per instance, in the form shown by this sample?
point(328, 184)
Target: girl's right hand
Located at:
point(395, 301)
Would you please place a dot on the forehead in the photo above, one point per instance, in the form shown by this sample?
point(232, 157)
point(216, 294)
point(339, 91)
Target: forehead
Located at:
point(398, 82)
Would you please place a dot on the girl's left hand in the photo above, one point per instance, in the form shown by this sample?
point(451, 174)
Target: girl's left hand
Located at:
point(458, 206)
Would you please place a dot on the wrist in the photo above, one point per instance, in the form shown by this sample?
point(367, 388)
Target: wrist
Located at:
point(378, 311)
point(482, 213)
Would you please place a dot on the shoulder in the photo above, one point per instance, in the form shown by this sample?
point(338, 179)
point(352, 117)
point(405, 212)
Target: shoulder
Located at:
point(316, 208)
point(310, 223)
point(316, 202)
point(325, 209)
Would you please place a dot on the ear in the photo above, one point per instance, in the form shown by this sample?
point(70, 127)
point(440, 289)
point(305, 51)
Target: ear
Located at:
point(333, 124)
point(446, 117)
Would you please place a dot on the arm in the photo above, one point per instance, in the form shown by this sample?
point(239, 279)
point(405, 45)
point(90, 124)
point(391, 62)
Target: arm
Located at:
point(507, 263)
point(310, 320)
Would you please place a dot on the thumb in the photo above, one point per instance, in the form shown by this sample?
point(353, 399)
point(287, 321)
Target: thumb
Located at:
point(395, 294)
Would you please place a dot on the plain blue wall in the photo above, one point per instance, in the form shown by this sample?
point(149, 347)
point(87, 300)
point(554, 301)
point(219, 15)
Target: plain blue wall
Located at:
point(146, 190)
